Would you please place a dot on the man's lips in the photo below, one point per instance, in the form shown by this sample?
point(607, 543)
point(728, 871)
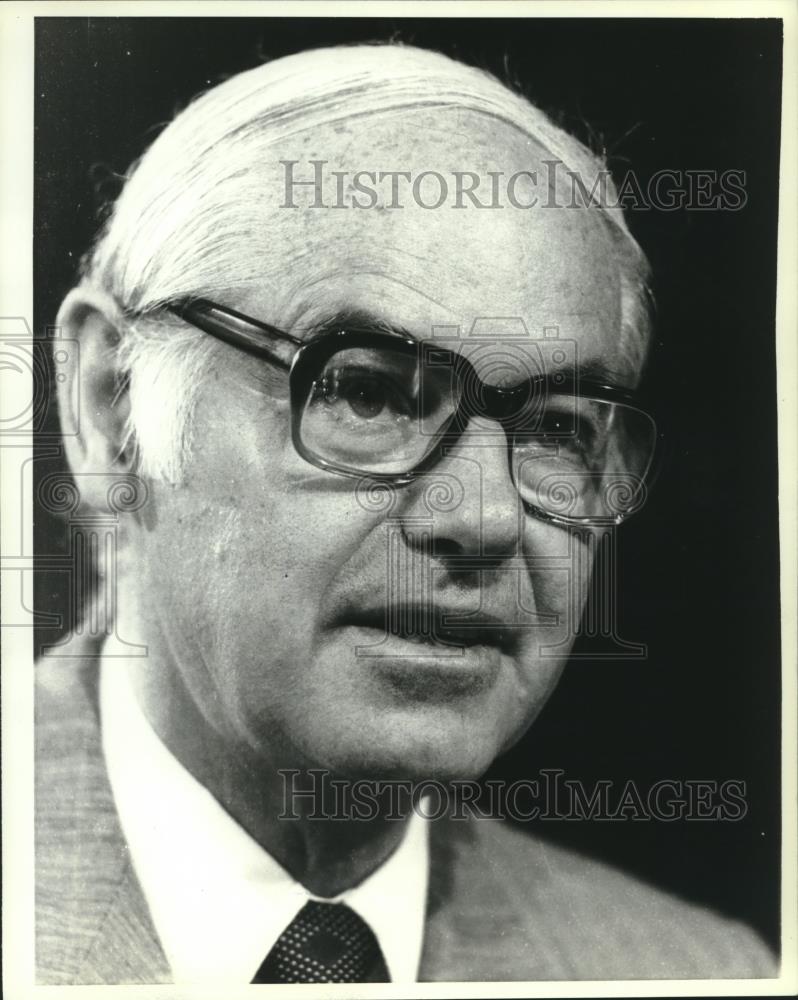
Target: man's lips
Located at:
point(434, 624)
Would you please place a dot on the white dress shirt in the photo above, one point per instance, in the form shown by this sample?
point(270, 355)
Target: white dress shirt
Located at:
point(218, 900)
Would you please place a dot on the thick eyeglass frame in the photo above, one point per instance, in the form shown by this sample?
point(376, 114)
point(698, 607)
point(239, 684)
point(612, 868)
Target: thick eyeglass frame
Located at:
point(247, 334)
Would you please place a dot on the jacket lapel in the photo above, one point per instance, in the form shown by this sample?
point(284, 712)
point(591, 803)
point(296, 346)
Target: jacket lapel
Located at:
point(93, 925)
point(126, 948)
point(474, 924)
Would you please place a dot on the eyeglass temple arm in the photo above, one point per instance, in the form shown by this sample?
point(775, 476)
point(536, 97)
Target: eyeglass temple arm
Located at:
point(236, 329)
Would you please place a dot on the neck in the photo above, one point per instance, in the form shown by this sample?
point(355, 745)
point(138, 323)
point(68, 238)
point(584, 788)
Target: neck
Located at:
point(292, 812)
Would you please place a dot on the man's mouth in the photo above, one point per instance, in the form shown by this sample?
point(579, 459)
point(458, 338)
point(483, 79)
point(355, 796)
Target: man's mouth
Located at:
point(436, 625)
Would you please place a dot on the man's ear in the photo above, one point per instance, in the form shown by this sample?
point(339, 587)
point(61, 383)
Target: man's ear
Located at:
point(92, 399)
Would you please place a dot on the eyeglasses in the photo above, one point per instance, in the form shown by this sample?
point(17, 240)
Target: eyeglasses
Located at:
point(380, 405)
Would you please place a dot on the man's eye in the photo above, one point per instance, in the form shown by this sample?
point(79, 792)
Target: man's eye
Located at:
point(368, 395)
point(550, 429)
point(557, 424)
point(560, 434)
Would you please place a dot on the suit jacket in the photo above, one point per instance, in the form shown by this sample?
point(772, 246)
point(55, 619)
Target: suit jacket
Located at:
point(502, 905)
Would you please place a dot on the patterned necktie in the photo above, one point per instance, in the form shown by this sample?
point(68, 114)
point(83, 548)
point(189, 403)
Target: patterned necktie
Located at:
point(325, 943)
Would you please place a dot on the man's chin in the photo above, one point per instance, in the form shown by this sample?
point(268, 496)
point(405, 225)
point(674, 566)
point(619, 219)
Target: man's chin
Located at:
point(401, 754)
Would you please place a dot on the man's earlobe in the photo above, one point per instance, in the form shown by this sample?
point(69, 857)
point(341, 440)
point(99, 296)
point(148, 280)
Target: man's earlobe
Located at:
point(94, 400)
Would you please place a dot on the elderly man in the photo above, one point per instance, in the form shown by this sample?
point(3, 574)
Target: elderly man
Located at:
point(377, 385)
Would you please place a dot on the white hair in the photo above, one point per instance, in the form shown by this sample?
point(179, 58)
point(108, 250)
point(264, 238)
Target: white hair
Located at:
point(196, 197)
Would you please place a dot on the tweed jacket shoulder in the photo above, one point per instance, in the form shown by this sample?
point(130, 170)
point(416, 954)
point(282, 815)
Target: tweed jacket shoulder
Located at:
point(502, 905)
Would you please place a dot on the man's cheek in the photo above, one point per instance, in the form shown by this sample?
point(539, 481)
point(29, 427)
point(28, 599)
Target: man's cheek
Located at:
point(560, 579)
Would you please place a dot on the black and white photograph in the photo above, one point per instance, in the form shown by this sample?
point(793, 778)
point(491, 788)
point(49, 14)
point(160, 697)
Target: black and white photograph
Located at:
point(393, 591)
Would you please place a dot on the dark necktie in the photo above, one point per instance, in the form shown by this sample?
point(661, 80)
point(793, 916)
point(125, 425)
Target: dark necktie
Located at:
point(325, 943)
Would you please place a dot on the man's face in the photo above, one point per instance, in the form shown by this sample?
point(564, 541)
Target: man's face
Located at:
point(267, 579)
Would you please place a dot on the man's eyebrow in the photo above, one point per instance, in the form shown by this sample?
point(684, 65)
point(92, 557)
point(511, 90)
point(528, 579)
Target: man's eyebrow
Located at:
point(362, 321)
point(354, 321)
point(597, 371)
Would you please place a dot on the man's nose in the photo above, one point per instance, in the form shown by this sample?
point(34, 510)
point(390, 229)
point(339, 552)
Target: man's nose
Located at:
point(468, 498)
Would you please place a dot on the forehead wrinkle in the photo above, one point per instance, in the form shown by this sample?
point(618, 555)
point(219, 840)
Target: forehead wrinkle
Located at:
point(297, 254)
point(313, 303)
point(428, 276)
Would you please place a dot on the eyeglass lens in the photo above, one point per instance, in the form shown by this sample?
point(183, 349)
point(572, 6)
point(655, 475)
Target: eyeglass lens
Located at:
point(381, 411)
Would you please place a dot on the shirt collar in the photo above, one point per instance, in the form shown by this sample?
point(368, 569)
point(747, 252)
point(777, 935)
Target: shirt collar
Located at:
point(218, 900)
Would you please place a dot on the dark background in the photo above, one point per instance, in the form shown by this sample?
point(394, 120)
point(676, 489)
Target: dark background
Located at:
point(699, 565)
